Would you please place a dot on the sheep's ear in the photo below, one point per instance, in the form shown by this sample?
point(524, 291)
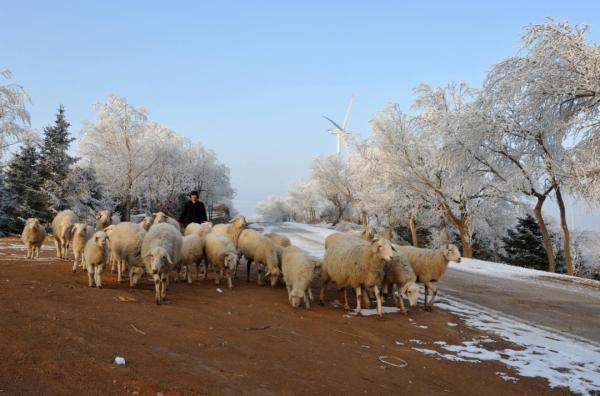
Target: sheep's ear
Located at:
point(169, 259)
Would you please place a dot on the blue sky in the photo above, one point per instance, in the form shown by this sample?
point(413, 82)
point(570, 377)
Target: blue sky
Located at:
point(252, 79)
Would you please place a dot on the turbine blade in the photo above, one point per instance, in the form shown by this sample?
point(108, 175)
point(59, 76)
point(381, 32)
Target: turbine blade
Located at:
point(333, 122)
point(345, 124)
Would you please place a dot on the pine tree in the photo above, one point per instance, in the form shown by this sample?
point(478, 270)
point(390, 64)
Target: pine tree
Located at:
point(524, 245)
point(55, 160)
point(25, 185)
point(8, 225)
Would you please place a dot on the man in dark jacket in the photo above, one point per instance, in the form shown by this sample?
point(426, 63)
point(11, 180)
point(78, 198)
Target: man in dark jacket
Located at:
point(193, 211)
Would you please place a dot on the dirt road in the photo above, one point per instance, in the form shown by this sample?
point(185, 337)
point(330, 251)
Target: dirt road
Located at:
point(58, 336)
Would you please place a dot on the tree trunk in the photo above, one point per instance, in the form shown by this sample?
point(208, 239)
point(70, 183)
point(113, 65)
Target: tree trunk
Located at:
point(127, 208)
point(364, 219)
point(443, 230)
point(566, 233)
point(412, 224)
point(537, 210)
point(465, 241)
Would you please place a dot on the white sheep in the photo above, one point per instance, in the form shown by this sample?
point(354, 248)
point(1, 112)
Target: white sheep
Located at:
point(356, 263)
point(103, 219)
point(81, 234)
point(279, 239)
point(368, 234)
point(429, 266)
point(62, 230)
point(33, 237)
point(261, 250)
point(222, 256)
point(298, 271)
point(126, 248)
point(192, 255)
point(95, 257)
point(161, 249)
point(160, 217)
point(399, 273)
point(146, 222)
point(201, 230)
point(233, 230)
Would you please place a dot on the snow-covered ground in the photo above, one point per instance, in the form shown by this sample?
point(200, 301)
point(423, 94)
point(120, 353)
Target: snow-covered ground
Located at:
point(562, 358)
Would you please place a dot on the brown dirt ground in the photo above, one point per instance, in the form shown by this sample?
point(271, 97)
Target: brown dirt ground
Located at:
point(58, 336)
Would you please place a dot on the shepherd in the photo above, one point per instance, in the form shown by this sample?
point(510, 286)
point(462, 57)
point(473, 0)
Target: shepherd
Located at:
point(193, 211)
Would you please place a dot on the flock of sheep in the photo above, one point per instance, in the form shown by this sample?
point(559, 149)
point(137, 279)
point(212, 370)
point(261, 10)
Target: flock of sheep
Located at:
point(156, 247)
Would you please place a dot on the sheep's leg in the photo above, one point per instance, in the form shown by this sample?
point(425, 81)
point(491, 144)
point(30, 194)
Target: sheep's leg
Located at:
point(345, 298)
point(157, 288)
point(75, 261)
point(307, 299)
point(426, 295)
point(120, 267)
point(378, 298)
point(433, 295)
point(365, 299)
point(358, 291)
point(98, 275)
point(324, 282)
point(310, 295)
point(259, 274)
point(163, 289)
point(37, 252)
point(218, 275)
point(188, 273)
point(400, 302)
point(248, 265)
point(229, 282)
point(289, 291)
point(57, 246)
point(90, 273)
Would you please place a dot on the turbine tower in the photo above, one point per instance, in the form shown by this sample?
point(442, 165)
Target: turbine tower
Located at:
point(338, 130)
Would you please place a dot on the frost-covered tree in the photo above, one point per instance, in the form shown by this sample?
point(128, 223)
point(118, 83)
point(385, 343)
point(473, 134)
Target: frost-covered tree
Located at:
point(120, 148)
point(8, 208)
point(305, 201)
point(83, 193)
point(14, 117)
point(273, 209)
point(55, 160)
point(334, 179)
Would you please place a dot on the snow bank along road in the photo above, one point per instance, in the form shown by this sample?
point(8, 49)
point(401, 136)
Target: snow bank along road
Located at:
point(554, 318)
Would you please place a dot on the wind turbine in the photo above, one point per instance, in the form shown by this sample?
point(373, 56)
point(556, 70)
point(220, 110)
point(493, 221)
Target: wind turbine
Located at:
point(338, 130)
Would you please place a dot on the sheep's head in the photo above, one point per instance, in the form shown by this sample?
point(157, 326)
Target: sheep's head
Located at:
point(100, 238)
point(368, 233)
point(160, 217)
point(296, 297)
point(146, 222)
point(230, 262)
point(32, 223)
point(109, 230)
point(159, 260)
point(274, 276)
point(239, 222)
point(412, 292)
point(103, 215)
point(382, 248)
point(451, 253)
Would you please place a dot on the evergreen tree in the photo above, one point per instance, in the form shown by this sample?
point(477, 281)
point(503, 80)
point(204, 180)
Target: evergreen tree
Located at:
point(25, 185)
point(524, 245)
point(7, 210)
point(55, 160)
